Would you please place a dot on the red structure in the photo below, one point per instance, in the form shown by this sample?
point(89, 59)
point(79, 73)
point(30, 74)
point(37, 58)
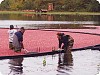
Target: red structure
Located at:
point(50, 6)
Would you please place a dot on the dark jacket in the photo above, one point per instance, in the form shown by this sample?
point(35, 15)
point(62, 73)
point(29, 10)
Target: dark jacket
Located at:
point(19, 35)
point(64, 40)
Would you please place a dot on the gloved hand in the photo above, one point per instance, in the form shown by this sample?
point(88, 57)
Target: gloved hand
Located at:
point(59, 49)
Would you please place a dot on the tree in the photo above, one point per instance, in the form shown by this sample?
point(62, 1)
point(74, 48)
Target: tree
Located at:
point(59, 5)
point(4, 5)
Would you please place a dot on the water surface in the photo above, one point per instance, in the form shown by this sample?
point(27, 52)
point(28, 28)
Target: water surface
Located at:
point(86, 62)
point(48, 21)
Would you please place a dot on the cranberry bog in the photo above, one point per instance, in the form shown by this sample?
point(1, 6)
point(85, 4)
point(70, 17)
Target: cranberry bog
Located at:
point(44, 42)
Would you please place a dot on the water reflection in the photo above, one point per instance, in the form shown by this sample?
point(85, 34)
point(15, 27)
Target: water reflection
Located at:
point(38, 21)
point(16, 66)
point(65, 63)
point(85, 62)
point(44, 17)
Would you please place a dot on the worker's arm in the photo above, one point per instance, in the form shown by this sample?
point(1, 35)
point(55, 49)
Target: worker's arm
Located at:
point(60, 43)
point(22, 45)
point(71, 39)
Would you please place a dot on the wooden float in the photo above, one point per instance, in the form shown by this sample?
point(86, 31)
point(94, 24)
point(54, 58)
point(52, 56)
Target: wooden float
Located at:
point(42, 42)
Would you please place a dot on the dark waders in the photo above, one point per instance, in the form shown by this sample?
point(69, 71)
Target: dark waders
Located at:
point(66, 57)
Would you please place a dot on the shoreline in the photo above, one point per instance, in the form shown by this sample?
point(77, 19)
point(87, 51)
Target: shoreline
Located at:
point(50, 13)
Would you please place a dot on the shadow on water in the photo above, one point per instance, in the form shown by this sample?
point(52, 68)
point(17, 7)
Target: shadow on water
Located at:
point(16, 66)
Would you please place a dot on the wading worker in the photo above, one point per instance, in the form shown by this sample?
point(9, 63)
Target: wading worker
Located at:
point(66, 43)
point(11, 33)
point(18, 40)
point(66, 40)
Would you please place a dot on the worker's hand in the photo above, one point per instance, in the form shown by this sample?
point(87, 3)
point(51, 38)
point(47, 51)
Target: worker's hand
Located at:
point(22, 45)
point(59, 49)
point(25, 51)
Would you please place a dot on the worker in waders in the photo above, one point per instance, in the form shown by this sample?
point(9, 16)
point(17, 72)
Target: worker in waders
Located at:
point(18, 40)
point(11, 33)
point(65, 42)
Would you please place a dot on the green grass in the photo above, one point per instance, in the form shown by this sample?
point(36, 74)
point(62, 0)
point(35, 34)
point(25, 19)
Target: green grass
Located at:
point(50, 13)
point(75, 13)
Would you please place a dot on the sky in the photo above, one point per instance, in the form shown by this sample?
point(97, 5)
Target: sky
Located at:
point(99, 1)
point(2, 0)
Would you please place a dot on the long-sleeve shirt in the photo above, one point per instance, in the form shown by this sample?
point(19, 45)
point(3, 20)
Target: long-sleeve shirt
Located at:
point(64, 41)
point(19, 35)
point(11, 34)
point(18, 39)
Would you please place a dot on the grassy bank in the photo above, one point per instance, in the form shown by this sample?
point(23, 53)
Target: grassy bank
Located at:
point(75, 13)
point(50, 13)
